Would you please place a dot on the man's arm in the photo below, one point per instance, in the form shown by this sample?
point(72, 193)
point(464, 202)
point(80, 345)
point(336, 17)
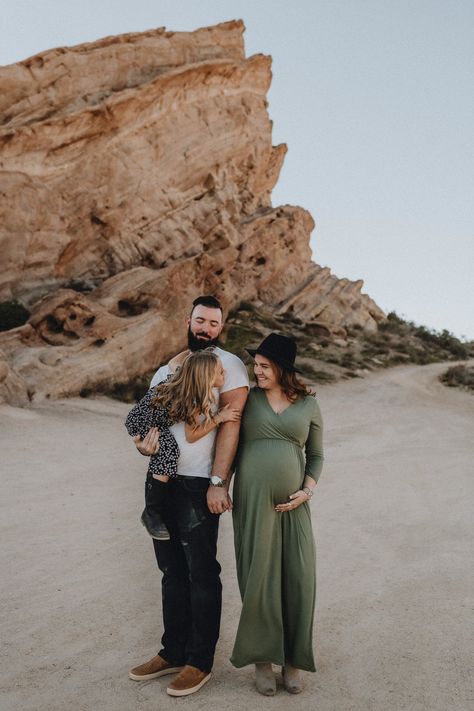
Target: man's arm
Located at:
point(218, 498)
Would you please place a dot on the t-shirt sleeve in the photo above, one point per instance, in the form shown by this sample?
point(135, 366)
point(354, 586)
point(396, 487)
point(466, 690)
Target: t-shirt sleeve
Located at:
point(160, 375)
point(314, 445)
point(235, 374)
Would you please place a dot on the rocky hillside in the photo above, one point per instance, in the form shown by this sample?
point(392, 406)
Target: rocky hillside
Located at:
point(135, 173)
point(324, 358)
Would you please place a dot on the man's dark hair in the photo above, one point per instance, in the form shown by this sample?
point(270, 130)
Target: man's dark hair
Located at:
point(210, 301)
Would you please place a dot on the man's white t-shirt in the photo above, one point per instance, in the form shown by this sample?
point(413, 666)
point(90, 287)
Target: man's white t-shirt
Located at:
point(195, 459)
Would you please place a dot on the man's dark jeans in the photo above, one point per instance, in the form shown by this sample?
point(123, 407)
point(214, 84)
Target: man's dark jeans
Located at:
point(191, 586)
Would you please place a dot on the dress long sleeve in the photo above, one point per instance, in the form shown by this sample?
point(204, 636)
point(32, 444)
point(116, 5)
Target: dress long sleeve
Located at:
point(141, 418)
point(275, 552)
point(314, 445)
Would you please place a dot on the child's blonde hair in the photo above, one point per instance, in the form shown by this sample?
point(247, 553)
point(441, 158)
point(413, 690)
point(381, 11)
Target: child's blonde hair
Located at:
point(190, 389)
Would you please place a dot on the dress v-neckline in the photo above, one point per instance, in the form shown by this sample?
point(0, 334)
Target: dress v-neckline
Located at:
point(277, 414)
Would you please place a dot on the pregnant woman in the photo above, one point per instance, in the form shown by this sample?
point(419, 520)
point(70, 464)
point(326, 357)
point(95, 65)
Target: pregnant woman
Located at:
point(278, 464)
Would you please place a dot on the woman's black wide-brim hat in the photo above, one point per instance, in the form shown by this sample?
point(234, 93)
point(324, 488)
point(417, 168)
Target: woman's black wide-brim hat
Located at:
point(278, 349)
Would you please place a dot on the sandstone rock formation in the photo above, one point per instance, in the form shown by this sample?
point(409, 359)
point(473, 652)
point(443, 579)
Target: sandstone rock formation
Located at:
point(137, 172)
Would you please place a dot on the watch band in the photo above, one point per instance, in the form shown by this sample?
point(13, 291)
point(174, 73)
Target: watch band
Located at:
point(216, 480)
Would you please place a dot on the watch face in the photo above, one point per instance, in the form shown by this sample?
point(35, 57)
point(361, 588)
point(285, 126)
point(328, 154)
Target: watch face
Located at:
point(217, 481)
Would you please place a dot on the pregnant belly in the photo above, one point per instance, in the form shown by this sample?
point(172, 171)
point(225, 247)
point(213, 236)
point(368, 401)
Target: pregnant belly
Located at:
point(269, 467)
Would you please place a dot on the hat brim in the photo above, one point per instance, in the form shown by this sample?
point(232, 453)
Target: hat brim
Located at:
point(271, 356)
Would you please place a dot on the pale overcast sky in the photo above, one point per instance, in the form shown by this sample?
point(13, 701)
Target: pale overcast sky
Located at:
point(374, 99)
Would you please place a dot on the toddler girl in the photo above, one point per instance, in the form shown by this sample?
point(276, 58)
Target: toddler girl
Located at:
point(186, 396)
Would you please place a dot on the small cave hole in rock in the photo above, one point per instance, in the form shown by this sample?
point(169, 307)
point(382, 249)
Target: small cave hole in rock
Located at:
point(53, 324)
point(81, 286)
point(129, 308)
point(149, 261)
point(12, 315)
point(97, 221)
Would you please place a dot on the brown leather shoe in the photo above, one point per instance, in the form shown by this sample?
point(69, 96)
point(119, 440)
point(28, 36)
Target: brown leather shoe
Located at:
point(189, 680)
point(155, 667)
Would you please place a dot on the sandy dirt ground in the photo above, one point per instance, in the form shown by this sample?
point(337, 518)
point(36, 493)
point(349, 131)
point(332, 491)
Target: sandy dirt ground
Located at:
point(393, 524)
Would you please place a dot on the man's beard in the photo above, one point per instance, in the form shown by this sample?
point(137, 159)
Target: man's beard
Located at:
point(199, 344)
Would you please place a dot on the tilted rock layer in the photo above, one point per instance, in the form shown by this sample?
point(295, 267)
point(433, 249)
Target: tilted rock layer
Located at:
point(136, 173)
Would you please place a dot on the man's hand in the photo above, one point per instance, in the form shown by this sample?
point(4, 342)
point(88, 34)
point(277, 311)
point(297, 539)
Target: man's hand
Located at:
point(150, 444)
point(218, 499)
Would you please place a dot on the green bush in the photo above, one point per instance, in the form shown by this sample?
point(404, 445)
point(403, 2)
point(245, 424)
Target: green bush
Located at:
point(444, 340)
point(320, 376)
point(394, 324)
point(459, 376)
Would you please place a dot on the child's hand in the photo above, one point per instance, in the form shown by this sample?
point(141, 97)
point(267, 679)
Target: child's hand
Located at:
point(178, 360)
point(229, 414)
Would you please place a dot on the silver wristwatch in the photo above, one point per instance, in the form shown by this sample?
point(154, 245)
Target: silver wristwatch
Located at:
point(217, 480)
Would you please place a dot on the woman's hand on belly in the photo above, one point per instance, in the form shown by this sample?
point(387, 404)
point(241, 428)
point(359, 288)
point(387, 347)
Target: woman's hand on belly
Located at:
point(295, 500)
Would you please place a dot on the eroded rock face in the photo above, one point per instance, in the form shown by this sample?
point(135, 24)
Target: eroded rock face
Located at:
point(136, 172)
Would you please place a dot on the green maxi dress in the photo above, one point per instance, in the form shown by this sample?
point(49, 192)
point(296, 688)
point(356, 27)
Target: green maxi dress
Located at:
point(275, 552)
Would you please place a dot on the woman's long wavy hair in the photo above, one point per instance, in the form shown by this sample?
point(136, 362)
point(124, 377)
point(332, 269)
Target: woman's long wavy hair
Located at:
point(189, 392)
point(291, 385)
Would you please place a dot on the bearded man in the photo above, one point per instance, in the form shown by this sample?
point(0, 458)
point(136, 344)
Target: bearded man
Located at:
point(191, 586)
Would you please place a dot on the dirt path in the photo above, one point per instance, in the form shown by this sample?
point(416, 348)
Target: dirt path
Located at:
point(393, 520)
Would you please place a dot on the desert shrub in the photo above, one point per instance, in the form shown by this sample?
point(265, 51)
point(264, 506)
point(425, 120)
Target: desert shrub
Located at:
point(398, 358)
point(459, 376)
point(444, 340)
point(348, 360)
point(369, 350)
point(238, 338)
point(334, 359)
point(320, 376)
point(393, 324)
